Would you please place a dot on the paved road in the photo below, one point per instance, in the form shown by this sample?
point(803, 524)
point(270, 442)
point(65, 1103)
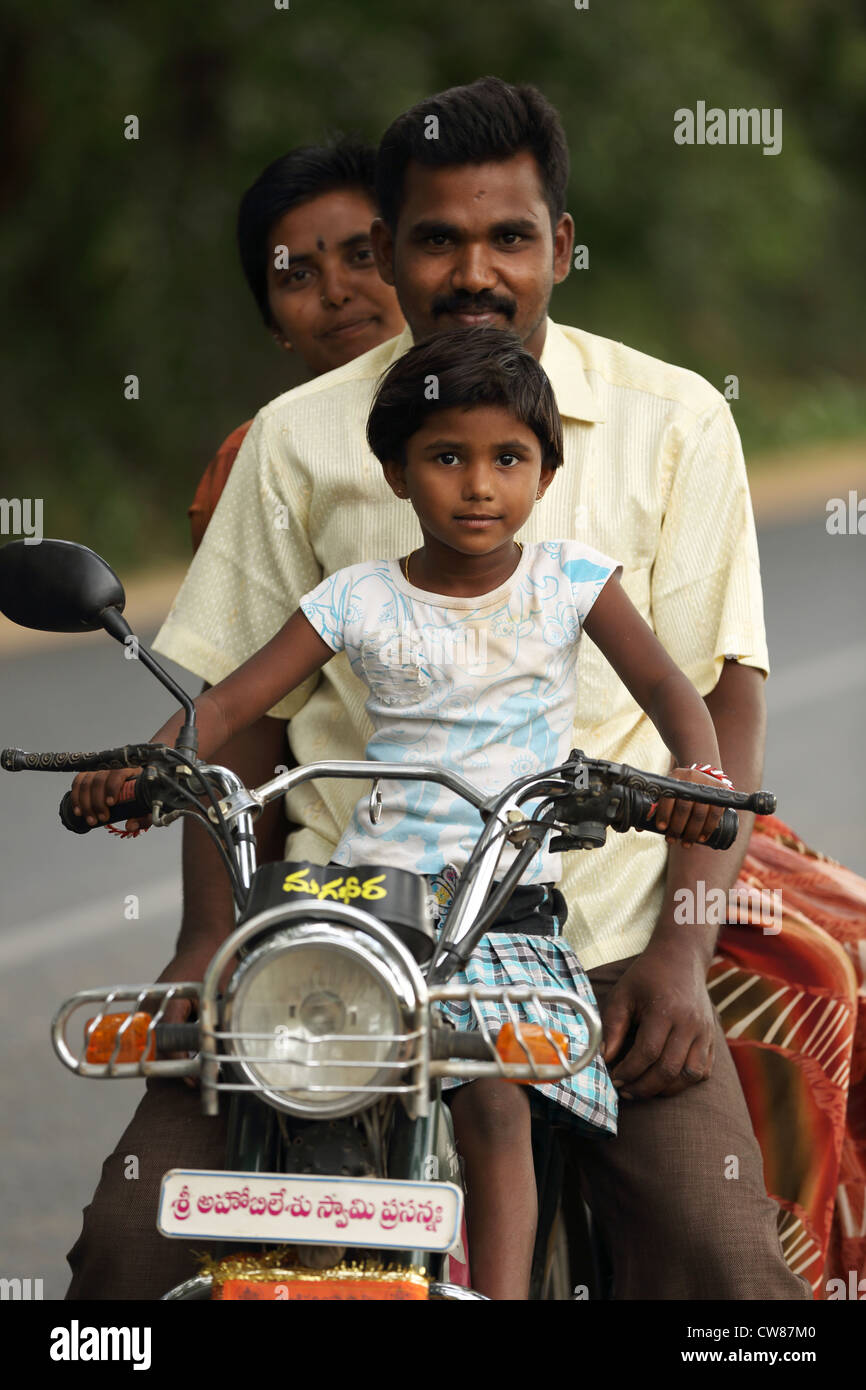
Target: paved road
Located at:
point(63, 925)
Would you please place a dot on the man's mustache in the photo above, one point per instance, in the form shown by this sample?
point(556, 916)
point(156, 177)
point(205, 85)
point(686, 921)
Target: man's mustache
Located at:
point(473, 304)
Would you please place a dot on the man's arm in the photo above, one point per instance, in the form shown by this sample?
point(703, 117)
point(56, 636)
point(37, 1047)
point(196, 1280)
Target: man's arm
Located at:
point(664, 991)
point(705, 603)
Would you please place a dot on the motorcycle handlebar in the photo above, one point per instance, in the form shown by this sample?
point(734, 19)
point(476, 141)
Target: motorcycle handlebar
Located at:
point(177, 1037)
point(138, 797)
point(131, 755)
point(135, 803)
point(447, 1043)
point(762, 803)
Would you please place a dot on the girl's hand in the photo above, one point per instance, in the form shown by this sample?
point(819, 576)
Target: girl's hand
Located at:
point(94, 793)
point(688, 822)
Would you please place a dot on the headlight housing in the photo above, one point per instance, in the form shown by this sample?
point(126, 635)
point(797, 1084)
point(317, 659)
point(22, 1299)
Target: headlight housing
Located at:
point(332, 1006)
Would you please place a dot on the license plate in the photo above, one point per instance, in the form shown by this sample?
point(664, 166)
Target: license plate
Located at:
point(277, 1208)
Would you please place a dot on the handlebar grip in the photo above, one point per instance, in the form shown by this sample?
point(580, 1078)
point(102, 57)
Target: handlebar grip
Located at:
point(725, 832)
point(177, 1037)
point(722, 837)
point(130, 806)
point(131, 755)
point(446, 1043)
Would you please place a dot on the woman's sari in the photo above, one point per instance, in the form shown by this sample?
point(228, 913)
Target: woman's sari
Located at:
point(790, 988)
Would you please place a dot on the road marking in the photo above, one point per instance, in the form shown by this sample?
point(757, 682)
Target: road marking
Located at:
point(818, 678)
point(62, 930)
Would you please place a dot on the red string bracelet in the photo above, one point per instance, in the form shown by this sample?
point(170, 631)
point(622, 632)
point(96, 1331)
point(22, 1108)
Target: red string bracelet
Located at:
point(126, 834)
point(716, 772)
point(127, 793)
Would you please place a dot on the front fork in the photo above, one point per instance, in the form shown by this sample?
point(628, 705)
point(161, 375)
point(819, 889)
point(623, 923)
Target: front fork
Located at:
point(253, 1142)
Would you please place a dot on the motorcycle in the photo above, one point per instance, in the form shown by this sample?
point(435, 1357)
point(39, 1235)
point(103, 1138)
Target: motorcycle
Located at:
point(341, 1177)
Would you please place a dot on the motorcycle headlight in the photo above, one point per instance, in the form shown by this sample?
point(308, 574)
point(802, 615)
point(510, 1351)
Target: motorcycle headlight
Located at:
point(331, 1011)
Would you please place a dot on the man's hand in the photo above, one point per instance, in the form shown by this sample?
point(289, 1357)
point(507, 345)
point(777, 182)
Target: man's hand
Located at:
point(661, 1012)
point(688, 822)
point(183, 967)
point(189, 967)
point(94, 793)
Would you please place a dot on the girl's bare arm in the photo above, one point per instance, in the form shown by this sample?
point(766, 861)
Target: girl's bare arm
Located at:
point(295, 653)
point(667, 697)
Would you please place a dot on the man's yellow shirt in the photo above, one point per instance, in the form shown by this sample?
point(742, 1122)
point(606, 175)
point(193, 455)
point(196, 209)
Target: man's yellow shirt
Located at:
point(653, 474)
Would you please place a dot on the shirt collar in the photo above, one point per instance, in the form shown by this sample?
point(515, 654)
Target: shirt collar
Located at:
point(561, 359)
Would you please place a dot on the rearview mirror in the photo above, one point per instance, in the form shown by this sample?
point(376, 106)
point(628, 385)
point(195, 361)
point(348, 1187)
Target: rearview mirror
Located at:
point(57, 586)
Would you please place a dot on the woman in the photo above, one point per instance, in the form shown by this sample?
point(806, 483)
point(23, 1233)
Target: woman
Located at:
point(304, 241)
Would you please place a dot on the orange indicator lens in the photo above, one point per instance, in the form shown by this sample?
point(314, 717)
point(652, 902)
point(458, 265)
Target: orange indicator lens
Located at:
point(101, 1042)
point(531, 1036)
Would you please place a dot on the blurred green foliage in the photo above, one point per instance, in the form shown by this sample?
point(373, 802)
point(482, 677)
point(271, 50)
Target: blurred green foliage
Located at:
point(118, 256)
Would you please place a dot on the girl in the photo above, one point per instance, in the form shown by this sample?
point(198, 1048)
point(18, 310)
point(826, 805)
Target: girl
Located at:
point(468, 650)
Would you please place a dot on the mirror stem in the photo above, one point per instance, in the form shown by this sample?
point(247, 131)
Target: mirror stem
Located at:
point(116, 626)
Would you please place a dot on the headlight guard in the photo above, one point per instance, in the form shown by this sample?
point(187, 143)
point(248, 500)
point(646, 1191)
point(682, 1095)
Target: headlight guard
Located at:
point(323, 1017)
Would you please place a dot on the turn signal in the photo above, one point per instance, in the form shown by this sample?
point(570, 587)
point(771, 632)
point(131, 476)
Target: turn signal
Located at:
point(513, 1045)
point(101, 1042)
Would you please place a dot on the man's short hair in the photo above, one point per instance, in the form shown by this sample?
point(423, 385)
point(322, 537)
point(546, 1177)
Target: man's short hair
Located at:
point(296, 178)
point(485, 121)
point(465, 367)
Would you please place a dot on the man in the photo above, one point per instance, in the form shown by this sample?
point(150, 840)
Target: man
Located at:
point(474, 229)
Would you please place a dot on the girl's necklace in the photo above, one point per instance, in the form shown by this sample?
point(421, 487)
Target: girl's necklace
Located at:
point(415, 552)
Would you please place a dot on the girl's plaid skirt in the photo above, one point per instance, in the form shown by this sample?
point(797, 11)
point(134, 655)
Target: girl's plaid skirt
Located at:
point(587, 1100)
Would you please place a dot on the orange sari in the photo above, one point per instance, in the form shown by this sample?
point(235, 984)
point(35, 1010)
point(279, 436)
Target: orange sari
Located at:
point(793, 1006)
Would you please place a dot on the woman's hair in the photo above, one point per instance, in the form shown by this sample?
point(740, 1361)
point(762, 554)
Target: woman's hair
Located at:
point(486, 121)
point(465, 367)
point(295, 178)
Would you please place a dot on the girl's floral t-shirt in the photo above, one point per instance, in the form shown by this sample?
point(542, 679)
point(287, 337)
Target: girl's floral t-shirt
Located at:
point(485, 686)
